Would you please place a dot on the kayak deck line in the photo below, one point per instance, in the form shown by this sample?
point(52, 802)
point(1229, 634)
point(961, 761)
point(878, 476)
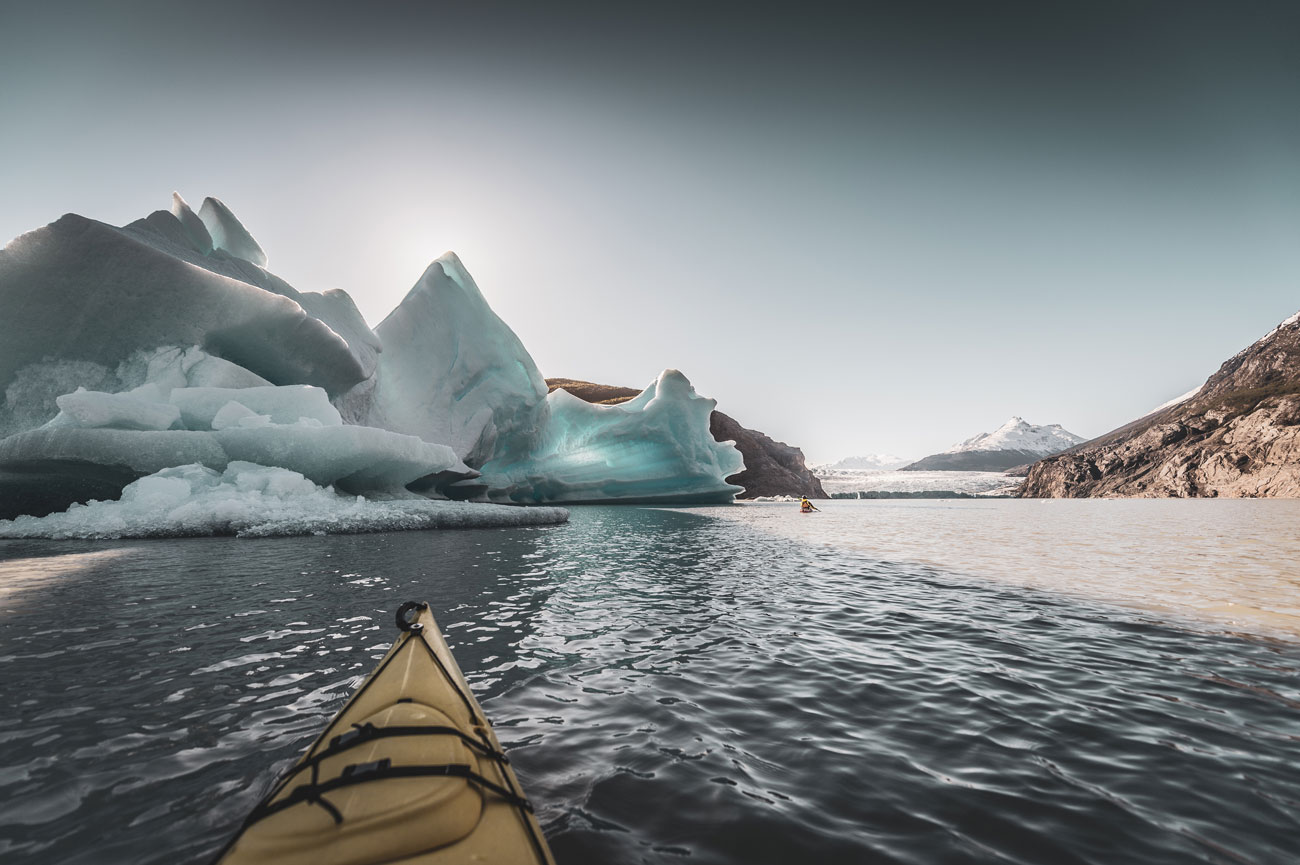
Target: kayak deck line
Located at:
point(413, 771)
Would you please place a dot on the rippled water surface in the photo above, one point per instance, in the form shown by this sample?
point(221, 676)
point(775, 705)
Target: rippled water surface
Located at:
point(917, 682)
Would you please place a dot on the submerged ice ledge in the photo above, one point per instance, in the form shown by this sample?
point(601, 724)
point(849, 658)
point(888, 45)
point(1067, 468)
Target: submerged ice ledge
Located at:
point(254, 501)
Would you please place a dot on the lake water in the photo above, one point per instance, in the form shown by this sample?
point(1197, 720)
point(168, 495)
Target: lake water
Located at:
point(892, 682)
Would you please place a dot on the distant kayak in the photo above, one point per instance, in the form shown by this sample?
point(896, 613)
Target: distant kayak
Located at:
point(409, 771)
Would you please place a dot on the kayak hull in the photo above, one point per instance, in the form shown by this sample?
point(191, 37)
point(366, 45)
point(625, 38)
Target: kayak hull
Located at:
point(409, 771)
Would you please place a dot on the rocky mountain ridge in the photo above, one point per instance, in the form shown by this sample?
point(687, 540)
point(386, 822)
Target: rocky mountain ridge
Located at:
point(1237, 436)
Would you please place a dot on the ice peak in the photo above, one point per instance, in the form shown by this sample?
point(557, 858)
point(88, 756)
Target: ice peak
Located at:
point(194, 228)
point(448, 268)
point(228, 232)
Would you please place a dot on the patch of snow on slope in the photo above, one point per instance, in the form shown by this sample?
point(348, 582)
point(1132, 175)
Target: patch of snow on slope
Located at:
point(1290, 321)
point(1178, 399)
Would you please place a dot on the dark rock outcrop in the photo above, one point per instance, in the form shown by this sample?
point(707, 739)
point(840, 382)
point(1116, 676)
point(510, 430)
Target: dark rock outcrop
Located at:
point(772, 468)
point(1238, 437)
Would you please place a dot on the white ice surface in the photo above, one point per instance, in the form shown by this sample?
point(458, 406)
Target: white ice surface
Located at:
point(973, 483)
point(257, 501)
point(236, 414)
point(92, 409)
point(283, 405)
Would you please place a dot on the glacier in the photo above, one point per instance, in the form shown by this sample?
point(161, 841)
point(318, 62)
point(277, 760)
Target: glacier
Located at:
point(131, 358)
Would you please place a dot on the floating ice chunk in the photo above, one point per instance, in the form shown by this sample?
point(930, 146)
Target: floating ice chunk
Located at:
point(452, 371)
point(125, 411)
point(257, 501)
point(195, 230)
point(228, 232)
point(655, 447)
point(284, 405)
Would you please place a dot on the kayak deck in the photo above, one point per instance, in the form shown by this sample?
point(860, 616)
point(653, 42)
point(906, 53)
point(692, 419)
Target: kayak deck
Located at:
point(408, 772)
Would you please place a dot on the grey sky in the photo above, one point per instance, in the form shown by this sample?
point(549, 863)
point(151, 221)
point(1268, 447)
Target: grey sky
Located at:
point(884, 230)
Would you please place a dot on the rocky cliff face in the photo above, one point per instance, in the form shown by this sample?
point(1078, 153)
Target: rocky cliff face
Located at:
point(1238, 437)
point(772, 468)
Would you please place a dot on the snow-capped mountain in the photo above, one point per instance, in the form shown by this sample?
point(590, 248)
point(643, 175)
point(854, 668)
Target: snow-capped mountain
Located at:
point(1019, 435)
point(1014, 443)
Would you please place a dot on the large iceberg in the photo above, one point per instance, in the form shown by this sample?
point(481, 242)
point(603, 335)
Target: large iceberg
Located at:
point(129, 352)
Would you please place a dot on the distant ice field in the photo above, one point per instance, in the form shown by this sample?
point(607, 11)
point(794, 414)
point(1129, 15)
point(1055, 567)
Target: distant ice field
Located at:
point(971, 483)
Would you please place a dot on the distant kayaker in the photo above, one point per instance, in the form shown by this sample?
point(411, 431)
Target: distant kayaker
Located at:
point(805, 505)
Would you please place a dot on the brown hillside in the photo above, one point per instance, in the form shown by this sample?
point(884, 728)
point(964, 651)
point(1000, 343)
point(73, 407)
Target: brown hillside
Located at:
point(1238, 437)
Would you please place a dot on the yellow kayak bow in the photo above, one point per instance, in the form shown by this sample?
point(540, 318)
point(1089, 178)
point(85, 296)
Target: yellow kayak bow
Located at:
point(408, 772)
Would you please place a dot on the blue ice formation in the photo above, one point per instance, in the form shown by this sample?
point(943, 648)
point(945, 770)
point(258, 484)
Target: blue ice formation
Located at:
point(647, 449)
point(131, 352)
